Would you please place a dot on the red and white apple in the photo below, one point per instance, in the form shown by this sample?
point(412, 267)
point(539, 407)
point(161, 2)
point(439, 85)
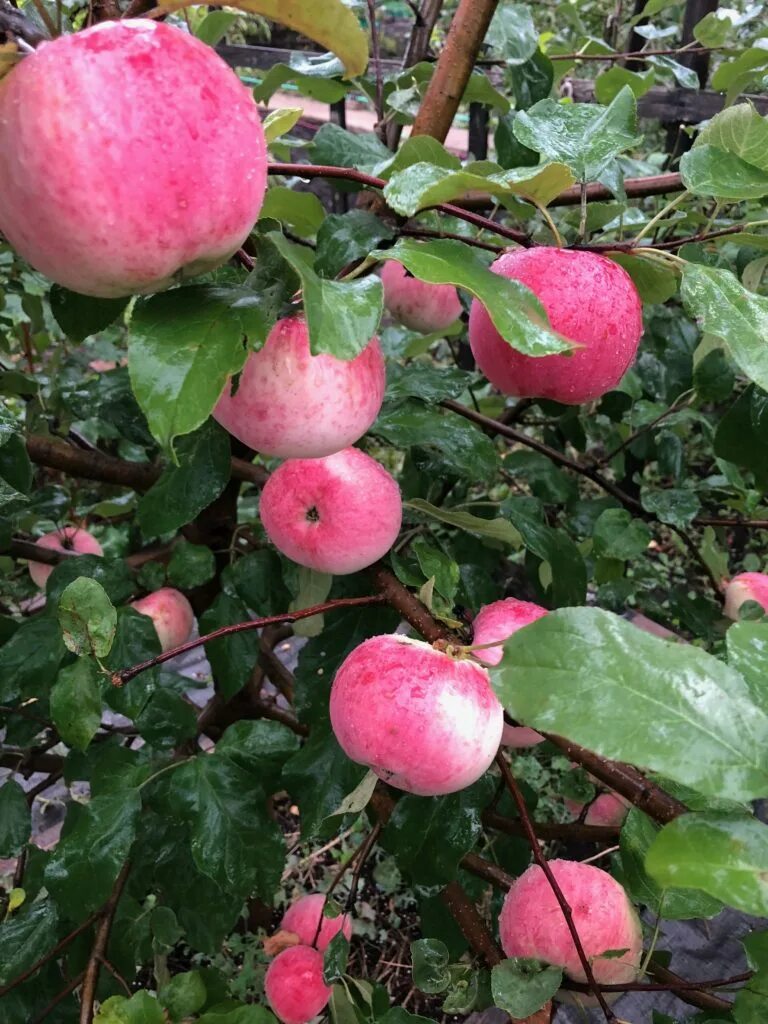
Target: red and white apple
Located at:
point(131, 157)
point(418, 305)
point(292, 404)
point(424, 720)
point(294, 985)
point(590, 300)
point(747, 586)
point(171, 613)
point(336, 515)
point(68, 538)
point(303, 917)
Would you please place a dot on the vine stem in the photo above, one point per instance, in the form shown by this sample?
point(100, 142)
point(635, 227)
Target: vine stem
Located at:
point(125, 675)
point(516, 794)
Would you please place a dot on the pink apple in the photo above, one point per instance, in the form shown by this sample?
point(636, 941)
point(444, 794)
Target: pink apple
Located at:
point(423, 720)
point(336, 515)
point(606, 809)
point(589, 300)
point(498, 621)
point(171, 613)
point(295, 405)
point(532, 923)
point(294, 985)
point(747, 586)
point(418, 305)
point(68, 538)
point(131, 157)
point(303, 917)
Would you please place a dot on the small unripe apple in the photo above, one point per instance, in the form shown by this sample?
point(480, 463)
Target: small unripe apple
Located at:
point(131, 156)
point(606, 809)
point(69, 538)
point(294, 985)
point(303, 917)
point(418, 305)
point(335, 515)
point(532, 923)
point(423, 720)
point(590, 300)
point(292, 404)
point(171, 613)
point(498, 621)
point(747, 586)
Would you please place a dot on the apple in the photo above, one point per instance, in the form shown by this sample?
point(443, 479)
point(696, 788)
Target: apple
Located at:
point(498, 621)
point(532, 923)
point(424, 720)
point(303, 917)
point(747, 586)
point(294, 985)
point(590, 300)
point(292, 404)
point(68, 538)
point(131, 157)
point(171, 613)
point(606, 809)
point(418, 305)
point(335, 515)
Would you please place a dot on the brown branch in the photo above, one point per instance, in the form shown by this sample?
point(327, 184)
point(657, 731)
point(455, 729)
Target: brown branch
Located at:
point(21, 760)
point(99, 949)
point(125, 675)
point(16, 25)
point(702, 1000)
point(675, 984)
point(412, 610)
point(454, 68)
point(50, 955)
point(486, 870)
point(472, 925)
point(636, 188)
point(468, 239)
point(522, 809)
point(574, 831)
point(635, 55)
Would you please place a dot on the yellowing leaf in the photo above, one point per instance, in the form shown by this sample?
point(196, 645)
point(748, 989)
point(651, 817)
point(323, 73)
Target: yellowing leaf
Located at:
point(278, 122)
point(9, 56)
point(327, 22)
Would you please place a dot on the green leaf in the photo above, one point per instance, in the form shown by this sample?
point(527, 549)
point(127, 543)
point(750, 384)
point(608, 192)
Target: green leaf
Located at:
point(26, 937)
point(515, 311)
point(76, 703)
point(593, 677)
point(725, 855)
point(423, 380)
point(234, 842)
point(215, 26)
point(233, 658)
point(609, 84)
point(315, 75)
point(342, 316)
point(493, 529)
point(184, 345)
point(618, 535)
point(313, 588)
point(569, 573)
point(15, 818)
point(95, 843)
point(738, 130)
point(637, 836)
point(531, 82)
point(80, 316)
point(428, 836)
point(340, 148)
point(462, 448)
point(734, 76)
point(725, 308)
point(335, 958)
point(190, 565)
point(184, 490)
point(302, 210)
point(521, 986)
point(709, 171)
point(141, 1008)
point(277, 123)
point(258, 579)
point(424, 185)
point(111, 573)
point(676, 506)
point(319, 777)
point(30, 660)
point(584, 136)
point(685, 77)
point(512, 35)
point(430, 959)
point(167, 720)
point(87, 617)
point(436, 565)
point(653, 282)
point(739, 440)
point(747, 644)
point(261, 748)
point(183, 995)
point(713, 377)
point(345, 237)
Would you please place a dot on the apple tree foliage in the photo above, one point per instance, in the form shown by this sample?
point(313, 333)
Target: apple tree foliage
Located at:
point(645, 501)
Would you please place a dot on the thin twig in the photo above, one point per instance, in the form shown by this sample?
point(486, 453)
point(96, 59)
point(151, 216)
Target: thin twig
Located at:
point(69, 988)
point(381, 129)
point(100, 947)
point(50, 955)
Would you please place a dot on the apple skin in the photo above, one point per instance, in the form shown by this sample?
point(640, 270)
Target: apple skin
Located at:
point(171, 613)
point(303, 916)
point(498, 621)
point(589, 300)
point(292, 404)
point(532, 924)
point(69, 538)
point(294, 985)
point(131, 156)
point(336, 515)
point(418, 305)
point(747, 586)
point(424, 721)
point(606, 809)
